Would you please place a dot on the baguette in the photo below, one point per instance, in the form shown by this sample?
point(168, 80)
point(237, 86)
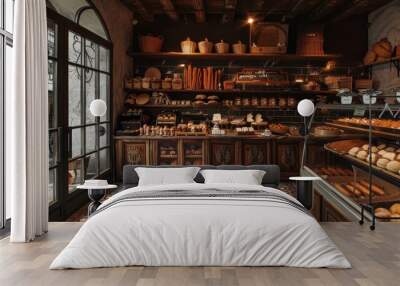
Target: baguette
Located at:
point(189, 77)
point(352, 189)
point(184, 77)
point(375, 189)
point(342, 190)
point(194, 79)
point(361, 188)
point(209, 75)
point(204, 70)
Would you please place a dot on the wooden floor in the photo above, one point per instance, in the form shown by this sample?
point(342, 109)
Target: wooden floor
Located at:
point(375, 257)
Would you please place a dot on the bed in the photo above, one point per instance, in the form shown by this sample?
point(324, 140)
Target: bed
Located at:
point(198, 224)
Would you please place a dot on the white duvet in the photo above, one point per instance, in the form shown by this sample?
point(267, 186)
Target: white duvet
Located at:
point(202, 232)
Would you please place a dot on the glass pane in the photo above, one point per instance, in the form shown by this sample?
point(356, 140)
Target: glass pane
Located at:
point(91, 54)
point(91, 166)
point(75, 48)
point(67, 8)
point(104, 160)
point(90, 79)
point(75, 174)
point(74, 95)
point(104, 59)
point(52, 85)
point(52, 186)
point(105, 94)
point(91, 21)
point(90, 139)
point(9, 13)
point(76, 143)
point(51, 38)
point(53, 141)
point(104, 134)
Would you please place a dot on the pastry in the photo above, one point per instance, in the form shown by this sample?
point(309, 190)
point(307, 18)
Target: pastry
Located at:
point(395, 208)
point(393, 166)
point(200, 97)
point(353, 151)
point(382, 213)
point(362, 155)
point(342, 190)
point(389, 155)
point(398, 157)
point(382, 162)
point(395, 216)
point(374, 149)
point(398, 150)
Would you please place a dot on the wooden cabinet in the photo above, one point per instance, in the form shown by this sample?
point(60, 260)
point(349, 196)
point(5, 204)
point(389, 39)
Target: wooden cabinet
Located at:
point(223, 152)
point(256, 152)
point(134, 152)
point(194, 152)
point(166, 152)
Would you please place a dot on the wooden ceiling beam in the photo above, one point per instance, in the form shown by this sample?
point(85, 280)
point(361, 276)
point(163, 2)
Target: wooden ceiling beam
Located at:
point(350, 8)
point(325, 8)
point(169, 9)
point(230, 11)
point(138, 9)
point(199, 11)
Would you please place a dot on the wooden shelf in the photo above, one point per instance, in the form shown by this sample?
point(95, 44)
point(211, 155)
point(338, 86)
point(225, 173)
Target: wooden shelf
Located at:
point(287, 58)
point(235, 91)
point(378, 133)
point(382, 173)
point(205, 106)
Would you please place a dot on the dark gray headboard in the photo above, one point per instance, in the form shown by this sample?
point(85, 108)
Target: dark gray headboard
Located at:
point(271, 177)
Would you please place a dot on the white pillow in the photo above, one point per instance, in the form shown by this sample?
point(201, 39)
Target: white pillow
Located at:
point(166, 176)
point(248, 177)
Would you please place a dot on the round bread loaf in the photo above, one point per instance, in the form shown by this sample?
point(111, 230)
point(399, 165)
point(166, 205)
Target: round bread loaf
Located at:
point(393, 166)
point(353, 151)
point(369, 58)
point(389, 155)
point(382, 162)
point(362, 155)
point(398, 157)
point(374, 149)
point(395, 216)
point(200, 97)
point(395, 208)
point(365, 147)
point(398, 150)
point(382, 213)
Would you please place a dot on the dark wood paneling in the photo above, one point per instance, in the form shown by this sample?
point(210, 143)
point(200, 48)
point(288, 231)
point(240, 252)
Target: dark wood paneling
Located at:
point(223, 153)
point(254, 152)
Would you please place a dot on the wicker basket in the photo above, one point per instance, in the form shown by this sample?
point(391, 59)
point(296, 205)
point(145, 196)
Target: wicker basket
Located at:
point(339, 82)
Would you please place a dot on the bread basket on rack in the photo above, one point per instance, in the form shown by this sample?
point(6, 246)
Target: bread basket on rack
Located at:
point(239, 48)
point(205, 47)
point(188, 46)
point(222, 47)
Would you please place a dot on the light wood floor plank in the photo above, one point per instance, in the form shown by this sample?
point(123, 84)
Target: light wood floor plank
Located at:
point(375, 257)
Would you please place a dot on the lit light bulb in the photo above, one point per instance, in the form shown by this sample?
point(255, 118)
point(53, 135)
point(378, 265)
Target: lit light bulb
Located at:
point(250, 20)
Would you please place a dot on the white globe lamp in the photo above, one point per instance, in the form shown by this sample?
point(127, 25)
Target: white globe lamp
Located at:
point(305, 108)
point(98, 107)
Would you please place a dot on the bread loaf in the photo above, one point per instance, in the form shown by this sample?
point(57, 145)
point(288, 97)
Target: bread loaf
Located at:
point(389, 155)
point(374, 158)
point(382, 162)
point(381, 152)
point(362, 155)
point(381, 146)
point(393, 166)
point(374, 149)
point(353, 151)
point(395, 208)
point(390, 149)
point(382, 213)
point(369, 58)
point(365, 147)
point(383, 48)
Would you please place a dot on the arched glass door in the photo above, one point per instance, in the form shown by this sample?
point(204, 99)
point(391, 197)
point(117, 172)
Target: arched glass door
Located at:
point(79, 72)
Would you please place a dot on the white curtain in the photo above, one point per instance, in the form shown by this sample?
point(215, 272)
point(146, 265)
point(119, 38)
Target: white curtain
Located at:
point(27, 124)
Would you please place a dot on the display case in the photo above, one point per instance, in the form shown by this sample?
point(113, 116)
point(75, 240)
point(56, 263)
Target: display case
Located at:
point(358, 159)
